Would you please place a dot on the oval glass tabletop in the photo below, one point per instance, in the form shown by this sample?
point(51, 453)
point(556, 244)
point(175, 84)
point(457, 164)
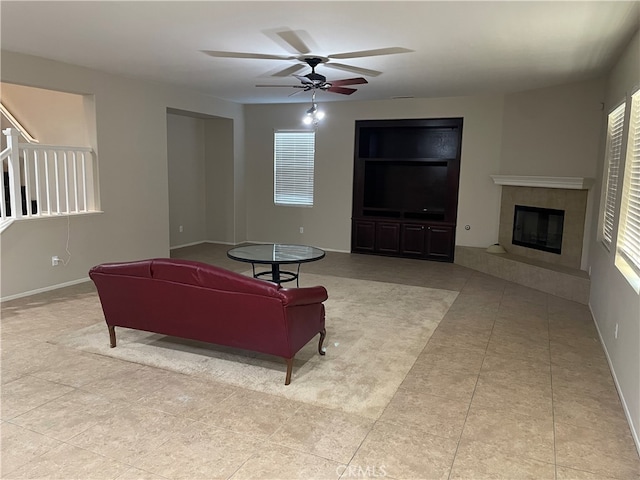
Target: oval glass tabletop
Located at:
point(276, 253)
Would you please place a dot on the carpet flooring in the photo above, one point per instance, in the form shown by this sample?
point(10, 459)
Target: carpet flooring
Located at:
point(375, 332)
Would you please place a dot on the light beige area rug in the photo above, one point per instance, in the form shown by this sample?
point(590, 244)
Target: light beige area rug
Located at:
point(375, 331)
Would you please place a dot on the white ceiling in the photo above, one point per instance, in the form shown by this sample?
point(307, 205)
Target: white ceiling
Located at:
point(458, 48)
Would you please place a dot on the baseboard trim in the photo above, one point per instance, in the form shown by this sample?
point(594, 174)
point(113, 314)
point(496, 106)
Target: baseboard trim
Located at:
point(187, 245)
point(625, 408)
point(45, 289)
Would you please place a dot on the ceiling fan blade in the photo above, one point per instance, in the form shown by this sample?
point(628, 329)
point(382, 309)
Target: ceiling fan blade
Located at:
point(259, 56)
point(372, 53)
point(351, 68)
point(342, 90)
point(304, 79)
point(293, 39)
point(287, 86)
point(296, 93)
point(288, 71)
point(348, 81)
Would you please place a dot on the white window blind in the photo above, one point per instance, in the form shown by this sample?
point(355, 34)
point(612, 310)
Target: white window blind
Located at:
point(293, 168)
point(615, 126)
point(629, 236)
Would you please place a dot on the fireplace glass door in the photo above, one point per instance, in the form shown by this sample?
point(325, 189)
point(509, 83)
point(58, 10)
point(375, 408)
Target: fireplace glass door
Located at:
point(539, 228)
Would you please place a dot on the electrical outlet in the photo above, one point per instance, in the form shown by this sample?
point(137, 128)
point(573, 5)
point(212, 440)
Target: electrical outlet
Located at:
point(180, 229)
point(615, 334)
point(55, 261)
point(301, 229)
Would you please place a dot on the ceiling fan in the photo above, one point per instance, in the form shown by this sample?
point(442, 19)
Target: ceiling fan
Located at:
point(313, 81)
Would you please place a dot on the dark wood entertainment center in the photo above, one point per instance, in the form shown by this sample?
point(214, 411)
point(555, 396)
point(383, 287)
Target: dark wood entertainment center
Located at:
point(405, 187)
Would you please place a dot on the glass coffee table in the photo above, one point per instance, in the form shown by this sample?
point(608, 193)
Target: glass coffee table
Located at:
point(276, 254)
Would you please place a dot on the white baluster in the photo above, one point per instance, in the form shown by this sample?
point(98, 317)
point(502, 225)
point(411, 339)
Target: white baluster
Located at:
point(57, 177)
point(13, 142)
point(75, 180)
point(27, 182)
point(66, 180)
point(36, 170)
point(84, 183)
point(46, 181)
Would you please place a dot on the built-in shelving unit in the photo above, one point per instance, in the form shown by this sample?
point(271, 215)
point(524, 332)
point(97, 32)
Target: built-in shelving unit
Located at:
point(405, 187)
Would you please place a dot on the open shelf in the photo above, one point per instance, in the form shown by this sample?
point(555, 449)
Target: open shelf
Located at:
point(381, 212)
point(418, 139)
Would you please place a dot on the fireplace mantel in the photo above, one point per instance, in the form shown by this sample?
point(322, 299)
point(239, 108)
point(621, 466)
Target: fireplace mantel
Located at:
point(572, 183)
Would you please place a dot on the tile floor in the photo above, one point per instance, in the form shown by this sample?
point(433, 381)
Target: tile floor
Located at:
point(513, 384)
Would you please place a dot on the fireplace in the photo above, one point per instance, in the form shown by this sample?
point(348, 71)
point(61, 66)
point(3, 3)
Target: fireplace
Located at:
point(538, 228)
point(570, 199)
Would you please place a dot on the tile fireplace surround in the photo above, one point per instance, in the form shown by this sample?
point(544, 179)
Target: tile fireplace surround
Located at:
point(574, 204)
point(559, 274)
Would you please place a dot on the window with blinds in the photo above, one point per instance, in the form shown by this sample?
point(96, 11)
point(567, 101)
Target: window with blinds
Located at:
point(294, 153)
point(629, 233)
point(615, 127)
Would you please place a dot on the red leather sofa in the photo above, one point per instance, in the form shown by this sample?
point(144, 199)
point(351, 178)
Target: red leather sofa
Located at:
point(202, 302)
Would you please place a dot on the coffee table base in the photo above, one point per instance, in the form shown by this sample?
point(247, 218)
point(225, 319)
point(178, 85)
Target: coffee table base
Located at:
point(276, 275)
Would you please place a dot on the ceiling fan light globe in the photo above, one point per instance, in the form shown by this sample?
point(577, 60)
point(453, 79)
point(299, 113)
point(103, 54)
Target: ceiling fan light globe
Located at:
point(307, 119)
point(319, 115)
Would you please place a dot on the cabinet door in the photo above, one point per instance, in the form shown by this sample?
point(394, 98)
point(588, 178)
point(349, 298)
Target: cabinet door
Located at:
point(388, 237)
point(413, 236)
point(363, 236)
point(440, 243)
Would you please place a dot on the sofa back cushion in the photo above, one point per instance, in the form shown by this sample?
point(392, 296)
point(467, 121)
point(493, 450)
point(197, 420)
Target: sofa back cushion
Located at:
point(138, 268)
point(190, 272)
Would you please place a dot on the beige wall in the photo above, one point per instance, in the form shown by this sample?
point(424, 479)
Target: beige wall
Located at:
point(131, 142)
point(187, 182)
point(613, 301)
point(63, 122)
point(553, 131)
point(328, 223)
point(219, 171)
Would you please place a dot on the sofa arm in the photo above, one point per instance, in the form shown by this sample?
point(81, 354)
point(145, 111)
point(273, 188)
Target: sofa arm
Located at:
point(304, 296)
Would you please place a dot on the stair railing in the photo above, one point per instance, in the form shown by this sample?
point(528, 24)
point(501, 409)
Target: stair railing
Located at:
point(46, 180)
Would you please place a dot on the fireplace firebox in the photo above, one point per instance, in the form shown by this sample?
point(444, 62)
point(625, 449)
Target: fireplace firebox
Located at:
point(538, 228)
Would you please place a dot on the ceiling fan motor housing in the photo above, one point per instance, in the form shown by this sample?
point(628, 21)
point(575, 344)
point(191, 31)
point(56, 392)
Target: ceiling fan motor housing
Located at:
point(316, 78)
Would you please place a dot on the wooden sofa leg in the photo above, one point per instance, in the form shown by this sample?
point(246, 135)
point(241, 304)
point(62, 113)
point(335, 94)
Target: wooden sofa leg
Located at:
point(287, 380)
point(112, 336)
point(323, 333)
